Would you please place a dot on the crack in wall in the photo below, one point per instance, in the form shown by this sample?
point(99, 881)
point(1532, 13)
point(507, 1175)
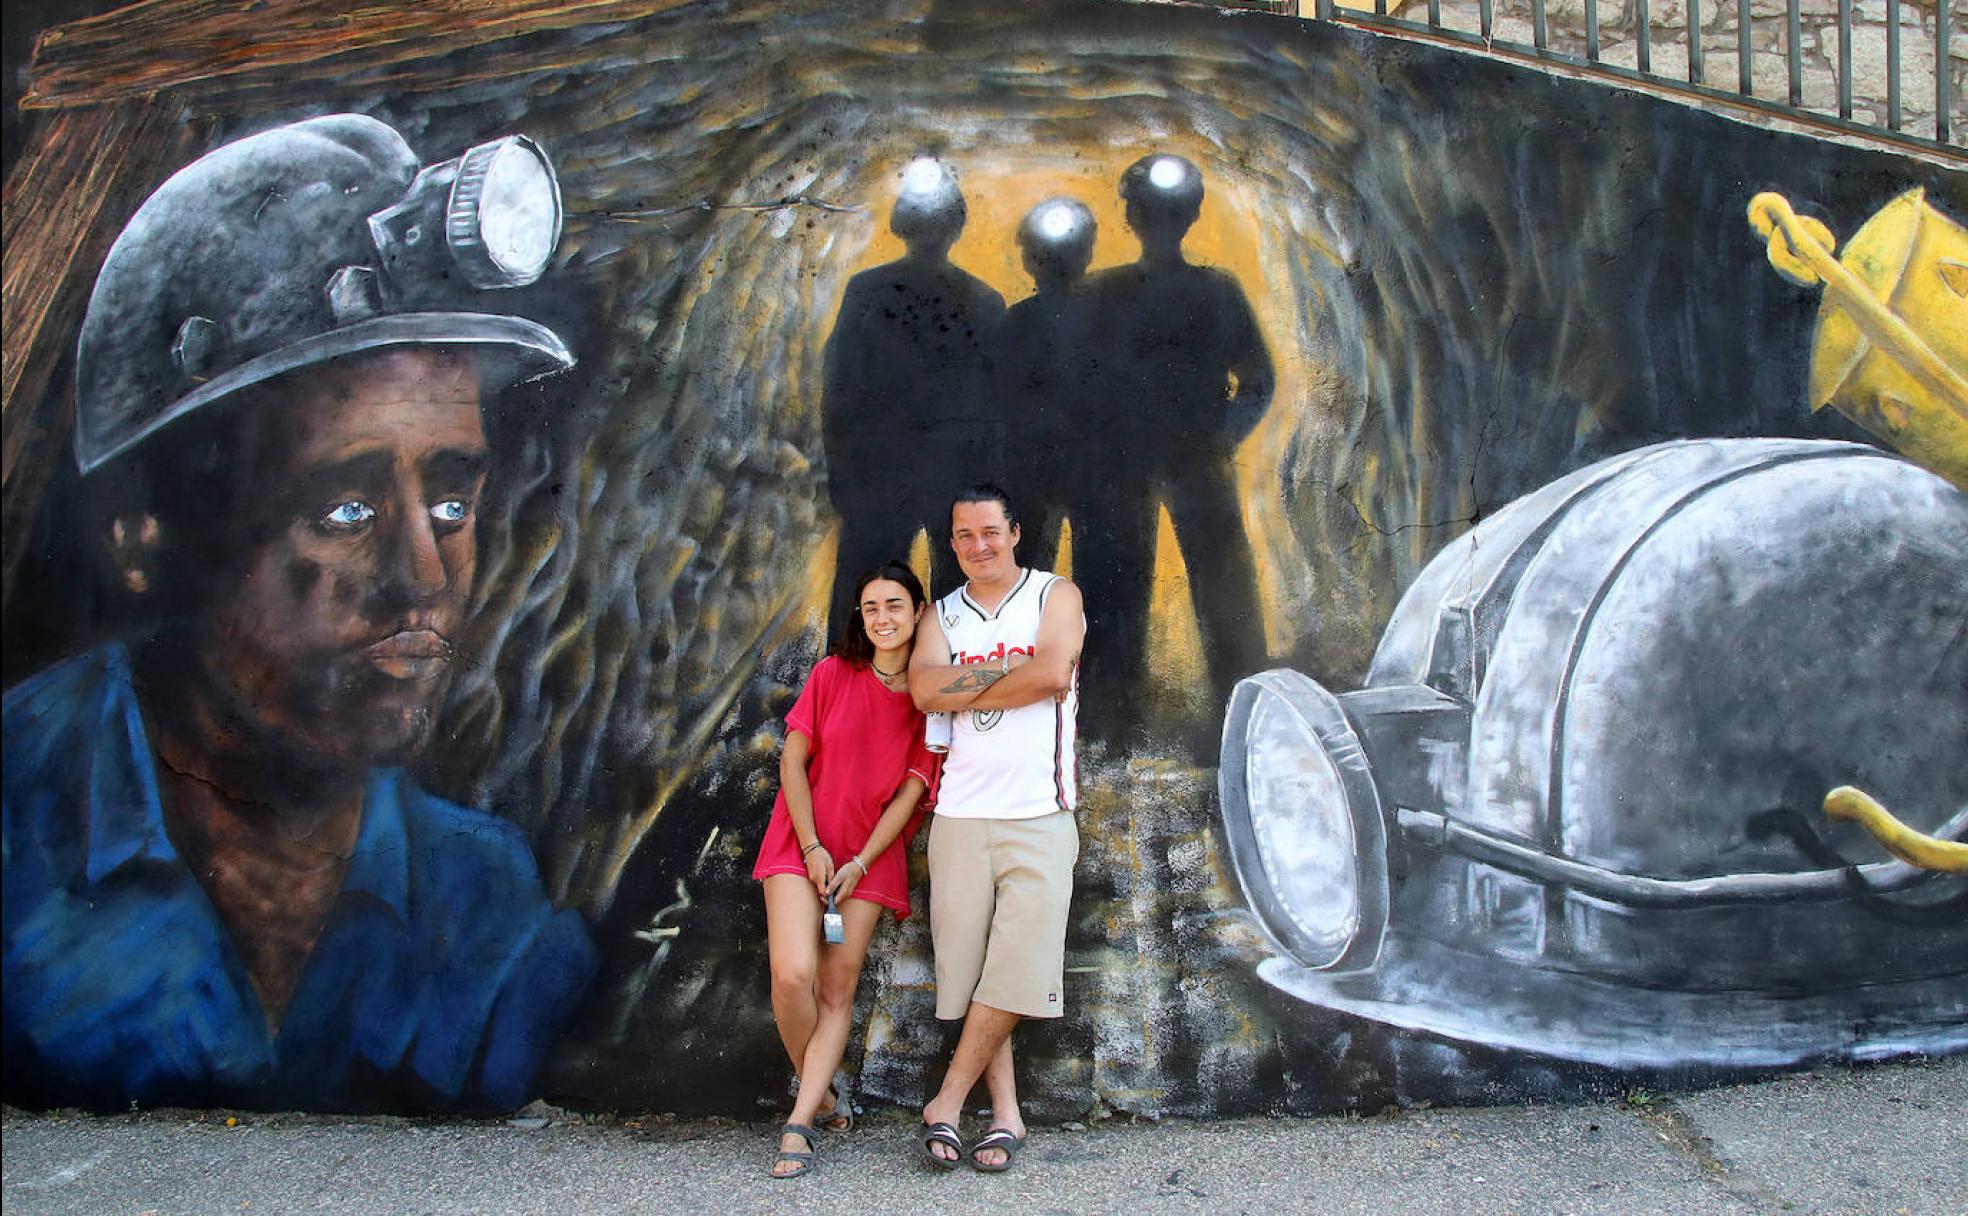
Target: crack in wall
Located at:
point(705, 206)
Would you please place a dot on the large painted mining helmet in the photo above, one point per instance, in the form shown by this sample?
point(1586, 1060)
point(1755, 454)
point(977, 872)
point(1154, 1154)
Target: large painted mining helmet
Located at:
point(1554, 818)
point(306, 243)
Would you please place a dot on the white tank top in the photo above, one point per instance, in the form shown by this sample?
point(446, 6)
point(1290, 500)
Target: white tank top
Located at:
point(1007, 763)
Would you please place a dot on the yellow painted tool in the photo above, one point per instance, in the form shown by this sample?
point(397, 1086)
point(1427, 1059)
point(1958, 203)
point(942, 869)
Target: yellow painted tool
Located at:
point(1913, 847)
point(1891, 351)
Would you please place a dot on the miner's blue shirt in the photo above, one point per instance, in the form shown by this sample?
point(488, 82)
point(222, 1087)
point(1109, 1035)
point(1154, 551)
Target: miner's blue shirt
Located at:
point(440, 979)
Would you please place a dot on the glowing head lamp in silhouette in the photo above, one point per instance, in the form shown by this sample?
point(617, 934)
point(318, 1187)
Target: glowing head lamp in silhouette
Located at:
point(1057, 237)
point(930, 207)
point(1163, 184)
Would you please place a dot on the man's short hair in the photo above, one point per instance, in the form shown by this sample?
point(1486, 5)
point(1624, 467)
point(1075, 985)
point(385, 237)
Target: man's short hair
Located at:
point(984, 491)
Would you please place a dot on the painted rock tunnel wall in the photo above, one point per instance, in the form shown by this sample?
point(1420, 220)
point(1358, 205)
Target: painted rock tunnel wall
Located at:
point(1467, 280)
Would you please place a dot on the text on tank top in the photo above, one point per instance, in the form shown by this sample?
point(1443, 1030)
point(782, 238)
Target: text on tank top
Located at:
point(1007, 763)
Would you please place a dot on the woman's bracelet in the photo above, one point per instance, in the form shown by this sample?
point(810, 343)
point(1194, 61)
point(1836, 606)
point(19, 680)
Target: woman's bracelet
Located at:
point(856, 861)
point(808, 849)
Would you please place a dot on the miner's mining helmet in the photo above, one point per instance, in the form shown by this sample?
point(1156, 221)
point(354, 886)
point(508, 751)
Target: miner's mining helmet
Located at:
point(1572, 810)
point(930, 206)
point(1059, 232)
point(306, 243)
point(1162, 182)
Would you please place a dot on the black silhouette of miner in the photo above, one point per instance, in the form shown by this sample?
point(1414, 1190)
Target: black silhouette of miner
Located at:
point(905, 414)
point(1046, 365)
point(1185, 377)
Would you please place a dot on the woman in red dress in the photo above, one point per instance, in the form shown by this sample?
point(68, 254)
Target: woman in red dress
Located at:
point(852, 777)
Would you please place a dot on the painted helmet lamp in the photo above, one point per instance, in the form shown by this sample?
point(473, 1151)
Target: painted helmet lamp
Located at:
point(930, 206)
point(1310, 821)
point(497, 208)
point(1057, 237)
point(1551, 820)
point(303, 244)
point(1163, 182)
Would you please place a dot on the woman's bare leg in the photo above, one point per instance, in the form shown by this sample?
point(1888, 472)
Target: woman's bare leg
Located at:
point(792, 935)
point(839, 973)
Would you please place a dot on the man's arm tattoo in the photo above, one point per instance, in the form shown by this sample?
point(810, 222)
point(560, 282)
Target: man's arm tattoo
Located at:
point(975, 679)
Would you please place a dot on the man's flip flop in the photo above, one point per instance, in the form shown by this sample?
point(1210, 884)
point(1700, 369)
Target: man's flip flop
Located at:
point(944, 1134)
point(803, 1160)
point(999, 1138)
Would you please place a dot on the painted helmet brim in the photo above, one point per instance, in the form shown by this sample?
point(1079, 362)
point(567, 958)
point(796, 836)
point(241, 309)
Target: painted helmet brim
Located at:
point(510, 350)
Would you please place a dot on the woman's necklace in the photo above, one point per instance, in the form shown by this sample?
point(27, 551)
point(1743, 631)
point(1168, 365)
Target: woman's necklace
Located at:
point(888, 678)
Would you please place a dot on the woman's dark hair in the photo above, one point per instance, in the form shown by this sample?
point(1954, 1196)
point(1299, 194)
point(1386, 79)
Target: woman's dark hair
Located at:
point(854, 645)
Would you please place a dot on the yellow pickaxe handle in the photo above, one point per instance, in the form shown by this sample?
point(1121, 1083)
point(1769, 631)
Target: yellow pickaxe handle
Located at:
point(1913, 847)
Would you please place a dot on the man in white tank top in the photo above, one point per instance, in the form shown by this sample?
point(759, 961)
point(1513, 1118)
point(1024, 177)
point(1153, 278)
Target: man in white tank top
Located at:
point(1001, 653)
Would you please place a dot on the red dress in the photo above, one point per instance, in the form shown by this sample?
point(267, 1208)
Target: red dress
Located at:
point(865, 740)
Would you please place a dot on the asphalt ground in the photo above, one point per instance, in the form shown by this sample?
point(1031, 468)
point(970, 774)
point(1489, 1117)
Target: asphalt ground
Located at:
point(1891, 1138)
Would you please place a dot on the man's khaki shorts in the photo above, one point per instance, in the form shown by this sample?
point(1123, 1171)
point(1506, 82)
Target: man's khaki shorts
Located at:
point(999, 891)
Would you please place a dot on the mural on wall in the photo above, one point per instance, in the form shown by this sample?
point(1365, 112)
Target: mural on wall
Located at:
point(1356, 364)
point(1586, 716)
point(1551, 819)
point(220, 884)
point(1104, 400)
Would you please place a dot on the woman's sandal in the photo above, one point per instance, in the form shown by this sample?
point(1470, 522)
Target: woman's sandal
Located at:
point(840, 1118)
point(999, 1138)
point(803, 1160)
point(944, 1134)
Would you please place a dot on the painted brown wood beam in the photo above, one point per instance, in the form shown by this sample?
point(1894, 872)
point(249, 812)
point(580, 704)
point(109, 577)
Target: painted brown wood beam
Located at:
point(55, 204)
point(159, 45)
point(68, 195)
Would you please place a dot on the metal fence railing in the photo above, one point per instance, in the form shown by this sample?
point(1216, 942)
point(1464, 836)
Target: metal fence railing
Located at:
point(1864, 66)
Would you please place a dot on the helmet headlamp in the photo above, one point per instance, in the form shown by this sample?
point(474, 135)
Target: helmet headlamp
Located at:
point(1058, 222)
point(1163, 181)
point(1167, 173)
point(307, 243)
point(929, 207)
point(926, 176)
point(497, 208)
point(1303, 820)
point(503, 218)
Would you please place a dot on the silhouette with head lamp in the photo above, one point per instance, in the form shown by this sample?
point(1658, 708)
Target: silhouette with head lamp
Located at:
point(1185, 377)
point(908, 361)
point(1044, 370)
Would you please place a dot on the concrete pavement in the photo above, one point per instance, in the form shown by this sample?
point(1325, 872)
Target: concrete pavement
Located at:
point(1887, 1139)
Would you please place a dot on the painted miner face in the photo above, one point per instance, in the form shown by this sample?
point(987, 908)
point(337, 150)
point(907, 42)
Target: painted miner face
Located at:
point(338, 639)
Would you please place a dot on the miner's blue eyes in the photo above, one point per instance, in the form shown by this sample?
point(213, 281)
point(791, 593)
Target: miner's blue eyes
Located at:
point(351, 514)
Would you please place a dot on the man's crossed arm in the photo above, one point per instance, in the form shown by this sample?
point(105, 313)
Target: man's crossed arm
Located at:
point(937, 684)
